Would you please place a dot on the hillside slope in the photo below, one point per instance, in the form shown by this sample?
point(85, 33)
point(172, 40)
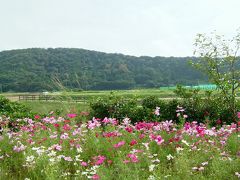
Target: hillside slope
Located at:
point(45, 69)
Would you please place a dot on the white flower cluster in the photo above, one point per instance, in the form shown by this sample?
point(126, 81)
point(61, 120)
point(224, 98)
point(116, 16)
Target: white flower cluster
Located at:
point(90, 172)
point(30, 161)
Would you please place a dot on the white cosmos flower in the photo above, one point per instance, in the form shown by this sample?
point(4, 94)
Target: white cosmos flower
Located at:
point(155, 160)
point(30, 158)
point(151, 177)
point(204, 163)
point(185, 142)
point(178, 149)
point(237, 174)
point(79, 150)
point(52, 153)
point(169, 157)
point(151, 167)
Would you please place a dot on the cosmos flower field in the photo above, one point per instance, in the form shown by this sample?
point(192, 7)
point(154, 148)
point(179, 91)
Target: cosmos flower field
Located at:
point(64, 148)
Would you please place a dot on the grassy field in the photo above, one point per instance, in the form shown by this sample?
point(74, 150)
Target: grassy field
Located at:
point(166, 93)
point(139, 93)
point(61, 107)
point(65, 107)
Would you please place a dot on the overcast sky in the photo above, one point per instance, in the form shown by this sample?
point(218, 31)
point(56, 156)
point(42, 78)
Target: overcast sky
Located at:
point(133, 27)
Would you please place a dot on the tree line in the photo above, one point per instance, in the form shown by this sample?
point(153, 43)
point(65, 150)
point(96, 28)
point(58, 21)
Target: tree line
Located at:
point(36, 69)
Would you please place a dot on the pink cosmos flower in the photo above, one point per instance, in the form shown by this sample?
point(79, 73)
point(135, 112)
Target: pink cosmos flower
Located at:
point(152, 136)
point(53, 136)
point(106, 120)
point(126, 121)
point(187, 126)
point(139, 151)
point(76, 132)
point(19, 148)
point(144, 126)
point(57, 147)
point(84, 163)
point(30, 141)
point(133, 142)
point(133, 158)
point(30, 121)
point(159, 140)
point(71, 115)
point(66, 127)
point(156, 112)
point(64, 136)
point(111, 134)
point(37, 117)
point(56, 125)
point(67, 158)
point(126, 161)
point(141, 136)
point(200, 130)
point(95, 176)
point(121, 143)
point(110, 121)
point(93, 123)
point(99, 160)
point(129, 129)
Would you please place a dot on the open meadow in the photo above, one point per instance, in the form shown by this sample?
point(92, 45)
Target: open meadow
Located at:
point(116, 136)
point(69, 105)
point(64, 100)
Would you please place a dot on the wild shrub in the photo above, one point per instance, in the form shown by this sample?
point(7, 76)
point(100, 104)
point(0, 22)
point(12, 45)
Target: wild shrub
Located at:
point(115, 107)
point(209, 108)
point(13, 109)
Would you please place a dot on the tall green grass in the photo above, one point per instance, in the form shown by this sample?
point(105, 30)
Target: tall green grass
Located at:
point(44, 107)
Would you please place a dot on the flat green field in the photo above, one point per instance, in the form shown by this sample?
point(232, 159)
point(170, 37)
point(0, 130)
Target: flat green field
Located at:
point(68, 106)
point(161, 93)
point(140, 93)
point(61, 107)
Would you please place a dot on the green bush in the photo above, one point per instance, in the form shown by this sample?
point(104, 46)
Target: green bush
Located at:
point(168, 111)
point(14, 109)
point(151, 102)
point(116, 107)
point(208, 108)
point(167, 108)
point(119, 107)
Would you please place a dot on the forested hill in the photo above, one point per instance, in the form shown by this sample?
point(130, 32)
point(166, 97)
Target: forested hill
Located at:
point(48, 69)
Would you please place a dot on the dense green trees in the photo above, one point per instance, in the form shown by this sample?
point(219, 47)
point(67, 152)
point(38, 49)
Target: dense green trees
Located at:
point(46, 69)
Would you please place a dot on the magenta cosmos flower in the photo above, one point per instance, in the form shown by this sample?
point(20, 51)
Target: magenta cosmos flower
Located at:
point(71, 115)
point(121, 143)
